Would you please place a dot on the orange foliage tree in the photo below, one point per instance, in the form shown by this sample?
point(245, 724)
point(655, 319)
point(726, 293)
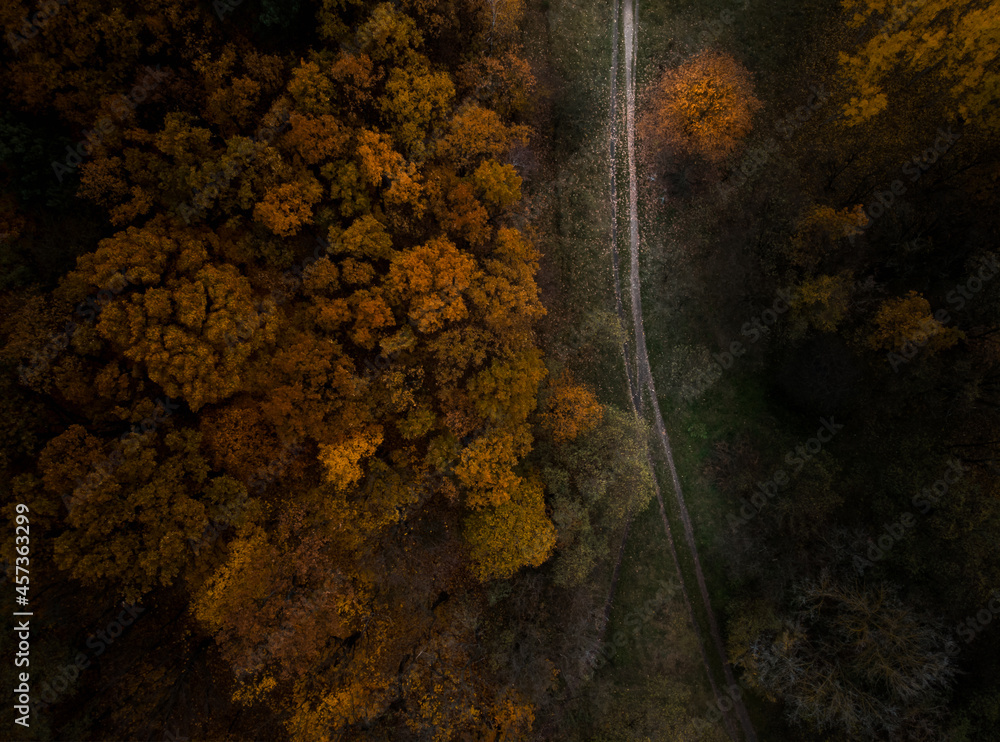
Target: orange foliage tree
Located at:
point(705, 106)
point(572, 409)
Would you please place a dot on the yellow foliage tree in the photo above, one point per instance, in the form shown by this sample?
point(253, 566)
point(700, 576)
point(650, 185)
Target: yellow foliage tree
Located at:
point(507, 296)
point(499, 184)
point(288, 207)
point(342, 461)
point(461, 215)
point(501, 18)
point(486, 466)
point(905, 321)
point(956, 42)
point(316, 139)
point(366, 238)
point(192, 323)
point(514, 534)
point(507, 390)
point(475, 132)
point(430, 281)
point(311, 89)
point(235, 83)
point(506, 82)
point(823, 301)
point(415, 99)
point(380, 165)
point(388, 33)
point(820, 228)
point(134, 510)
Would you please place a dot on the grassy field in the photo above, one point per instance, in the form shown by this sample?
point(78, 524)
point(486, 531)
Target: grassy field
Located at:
point(694, 304)
point(654, 684)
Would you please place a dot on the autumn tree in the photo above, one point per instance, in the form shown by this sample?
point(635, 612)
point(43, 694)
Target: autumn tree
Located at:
point(286, 209)
point(388, 34)
point(506, 299)
point(705, 106)
point(461, 214)
point(595, 483)
point(501, 18)
point(822, 302)
point(820, 231)
point(500, 185)
point(571, 410)
point(183, 316)
point(133, 510)
point(451, 701)
point(238, 82)
point(953, 42)
point(475, 133)
point(238, 440)
point(342, 461)
point(431, 281)
point(416, 98)
point(504, 84)
point(276, 638)
point(308, 389)
point(514, 534)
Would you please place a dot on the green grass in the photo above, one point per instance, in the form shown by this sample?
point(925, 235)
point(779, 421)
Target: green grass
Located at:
point(576, 277)
point(739, 401)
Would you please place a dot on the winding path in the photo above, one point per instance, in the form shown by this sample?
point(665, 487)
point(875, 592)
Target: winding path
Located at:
point(643, 373)
point(635, 391)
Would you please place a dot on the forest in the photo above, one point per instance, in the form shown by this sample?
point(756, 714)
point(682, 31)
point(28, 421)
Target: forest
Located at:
point(500, 370)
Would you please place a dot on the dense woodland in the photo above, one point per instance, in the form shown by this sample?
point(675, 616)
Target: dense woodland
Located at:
point(836, 214)
point(316, 446)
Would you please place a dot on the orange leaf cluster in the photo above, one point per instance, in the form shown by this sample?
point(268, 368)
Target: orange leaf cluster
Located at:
point(705, 107)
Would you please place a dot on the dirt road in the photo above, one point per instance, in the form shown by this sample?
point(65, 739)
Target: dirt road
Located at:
point(643, 373)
